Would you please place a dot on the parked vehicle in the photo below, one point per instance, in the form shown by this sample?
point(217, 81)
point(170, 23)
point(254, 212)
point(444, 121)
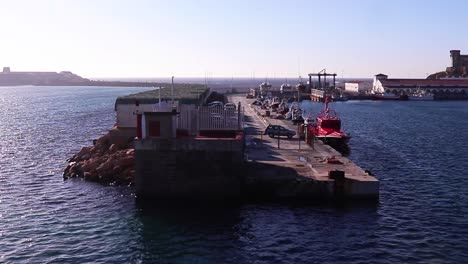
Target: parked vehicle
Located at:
point(216, 104)
point(230, 106)
point(256, 102)
point(276, 130)
point(278, 116)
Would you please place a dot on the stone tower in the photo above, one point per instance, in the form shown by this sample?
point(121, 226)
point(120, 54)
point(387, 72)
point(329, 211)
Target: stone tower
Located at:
point(455, 55)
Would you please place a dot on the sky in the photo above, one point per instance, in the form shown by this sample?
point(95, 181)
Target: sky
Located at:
point(239, 38)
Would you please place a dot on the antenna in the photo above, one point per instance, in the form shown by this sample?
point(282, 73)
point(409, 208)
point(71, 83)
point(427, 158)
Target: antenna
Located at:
point(206, 84)
point(299, 66)
point(160, 97)
point(232, 79)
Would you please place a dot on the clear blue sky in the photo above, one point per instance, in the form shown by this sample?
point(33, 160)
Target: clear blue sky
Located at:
point(100, 38)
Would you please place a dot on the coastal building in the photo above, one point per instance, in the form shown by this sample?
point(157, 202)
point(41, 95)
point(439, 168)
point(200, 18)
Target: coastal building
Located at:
point(451, 84)
point(182, 99)
point(442, 89)
point(358, 86)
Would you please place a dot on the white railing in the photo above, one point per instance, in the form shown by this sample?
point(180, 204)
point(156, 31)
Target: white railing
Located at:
point(218, 118)
point(187, 120)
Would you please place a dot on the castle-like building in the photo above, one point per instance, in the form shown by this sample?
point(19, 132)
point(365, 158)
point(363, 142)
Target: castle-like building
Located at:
point(459, 68)
point(459, 65)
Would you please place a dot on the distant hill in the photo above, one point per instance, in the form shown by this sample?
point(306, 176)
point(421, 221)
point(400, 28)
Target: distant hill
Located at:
point(7, 77)
point(63, 78)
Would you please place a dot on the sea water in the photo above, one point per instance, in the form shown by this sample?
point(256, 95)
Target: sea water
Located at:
point(418, 151)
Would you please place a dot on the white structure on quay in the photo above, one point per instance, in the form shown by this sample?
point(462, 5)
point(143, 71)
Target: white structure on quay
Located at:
point(442, 87)
point(184, 107)
point(358, 86)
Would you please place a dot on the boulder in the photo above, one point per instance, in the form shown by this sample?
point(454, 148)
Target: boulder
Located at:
point(117, 169)
point(126, 161)
point(89, 176)
point(104, 162)
point(106, 166)
point(113, 148)
point(90, 164)
point(104, 140)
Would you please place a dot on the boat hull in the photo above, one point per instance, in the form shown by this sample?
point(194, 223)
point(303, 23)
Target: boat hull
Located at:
point(339, 144)
point(390, 97)
point(336, 140)
point(421, 98)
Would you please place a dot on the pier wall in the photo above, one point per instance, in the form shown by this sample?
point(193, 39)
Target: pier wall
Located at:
point(184, 168)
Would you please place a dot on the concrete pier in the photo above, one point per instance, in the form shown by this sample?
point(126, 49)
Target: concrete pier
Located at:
point(240, 162)
point(290, 168)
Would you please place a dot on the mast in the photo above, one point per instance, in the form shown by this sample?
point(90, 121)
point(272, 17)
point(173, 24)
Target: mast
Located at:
point(326, 110)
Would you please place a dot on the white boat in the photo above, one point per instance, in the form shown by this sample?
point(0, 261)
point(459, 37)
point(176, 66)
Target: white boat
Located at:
point(265, 88)
point(286, 88)
point(421, 97)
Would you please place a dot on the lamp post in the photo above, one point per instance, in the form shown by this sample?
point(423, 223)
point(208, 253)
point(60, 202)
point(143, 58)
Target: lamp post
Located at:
point(172, 91)
point(159, 106)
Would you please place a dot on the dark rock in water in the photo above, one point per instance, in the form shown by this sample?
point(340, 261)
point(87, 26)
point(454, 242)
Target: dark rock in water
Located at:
point(110, 160)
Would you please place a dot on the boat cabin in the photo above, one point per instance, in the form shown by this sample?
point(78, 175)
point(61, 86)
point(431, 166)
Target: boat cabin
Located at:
point(334, 124)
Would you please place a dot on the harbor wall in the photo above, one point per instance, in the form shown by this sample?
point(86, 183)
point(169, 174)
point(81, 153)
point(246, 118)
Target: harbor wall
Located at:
point(186, 168)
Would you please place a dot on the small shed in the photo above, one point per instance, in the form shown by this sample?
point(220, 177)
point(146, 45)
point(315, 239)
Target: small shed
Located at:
point(158, 125)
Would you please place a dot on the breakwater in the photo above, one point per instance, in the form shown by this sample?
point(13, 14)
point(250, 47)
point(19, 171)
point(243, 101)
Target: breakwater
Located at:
point(110, 160)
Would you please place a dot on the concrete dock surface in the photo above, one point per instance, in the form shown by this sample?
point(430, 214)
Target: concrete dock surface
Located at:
point(290, 168)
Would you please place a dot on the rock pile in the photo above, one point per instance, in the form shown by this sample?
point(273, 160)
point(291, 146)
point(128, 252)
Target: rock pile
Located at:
point(108, 161)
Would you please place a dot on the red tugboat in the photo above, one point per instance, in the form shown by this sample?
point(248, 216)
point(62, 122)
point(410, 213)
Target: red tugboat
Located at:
point(328, 127)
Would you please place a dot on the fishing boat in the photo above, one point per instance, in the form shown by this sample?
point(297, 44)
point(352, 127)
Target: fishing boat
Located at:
point(286, 89)
point(296, 116)
point(301, 87)
point(421, 95)
point(327, 127)
point(340, 98)
point(283, 108)
point(265, 88)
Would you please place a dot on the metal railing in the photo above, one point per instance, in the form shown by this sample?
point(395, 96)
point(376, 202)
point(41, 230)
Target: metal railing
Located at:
point(219, 118)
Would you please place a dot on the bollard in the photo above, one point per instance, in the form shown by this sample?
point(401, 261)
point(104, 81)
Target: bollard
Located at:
point(338, 187)
point(299, 135)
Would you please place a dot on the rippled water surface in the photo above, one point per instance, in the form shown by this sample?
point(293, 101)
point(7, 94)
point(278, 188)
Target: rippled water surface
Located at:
point(418, 150)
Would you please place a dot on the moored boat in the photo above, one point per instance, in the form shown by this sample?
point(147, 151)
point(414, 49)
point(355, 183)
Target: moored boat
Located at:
point(327, 127)
point(420, 95)
point(340, 98)
point(286, 89)
point(265, 88)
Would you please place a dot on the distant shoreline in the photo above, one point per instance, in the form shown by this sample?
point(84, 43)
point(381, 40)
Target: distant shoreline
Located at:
point(88, 83)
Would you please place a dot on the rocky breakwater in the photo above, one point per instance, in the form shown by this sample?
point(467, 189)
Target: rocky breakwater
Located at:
point(111, 159)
